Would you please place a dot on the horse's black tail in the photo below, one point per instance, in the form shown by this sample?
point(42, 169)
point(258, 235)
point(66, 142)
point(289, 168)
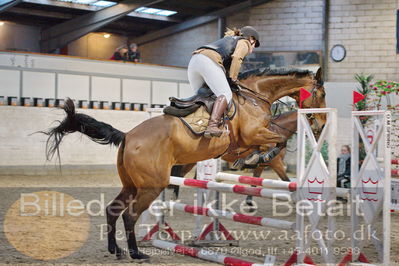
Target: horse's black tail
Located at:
point(99, 132)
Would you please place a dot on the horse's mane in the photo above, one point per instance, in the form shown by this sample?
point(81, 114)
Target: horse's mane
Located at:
point(275, 71)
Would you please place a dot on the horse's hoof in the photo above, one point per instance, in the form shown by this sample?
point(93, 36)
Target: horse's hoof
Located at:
point(120, 253)
point(113, 249)
point(238, 164)
point(249, 203)
point(174, 197)
point(253, 159)
point(137, 255)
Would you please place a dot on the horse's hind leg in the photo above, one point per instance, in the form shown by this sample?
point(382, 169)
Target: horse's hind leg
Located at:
point(144, 198)
point(113, 210)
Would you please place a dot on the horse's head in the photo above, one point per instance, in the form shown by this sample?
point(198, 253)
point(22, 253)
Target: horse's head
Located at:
point(315, 86)
point(277, 83)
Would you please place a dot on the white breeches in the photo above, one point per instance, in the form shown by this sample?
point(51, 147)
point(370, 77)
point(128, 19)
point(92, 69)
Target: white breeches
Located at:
point(201, 70)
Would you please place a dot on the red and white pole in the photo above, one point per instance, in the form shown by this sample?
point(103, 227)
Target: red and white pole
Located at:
point(241, 218)
point(256, 181)
point(238, 189)
point(208, 255)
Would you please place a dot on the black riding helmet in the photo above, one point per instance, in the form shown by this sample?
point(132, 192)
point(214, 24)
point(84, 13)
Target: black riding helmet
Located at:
point(249, 31)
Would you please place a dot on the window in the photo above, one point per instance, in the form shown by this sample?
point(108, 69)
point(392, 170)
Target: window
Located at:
point(155, 11)
point(297, 59)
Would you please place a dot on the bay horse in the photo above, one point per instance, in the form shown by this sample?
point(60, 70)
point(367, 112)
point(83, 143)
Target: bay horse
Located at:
point(147, 152)
point(284, 124)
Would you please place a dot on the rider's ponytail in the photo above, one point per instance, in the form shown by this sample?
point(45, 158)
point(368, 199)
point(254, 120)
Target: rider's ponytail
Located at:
point(232, 32)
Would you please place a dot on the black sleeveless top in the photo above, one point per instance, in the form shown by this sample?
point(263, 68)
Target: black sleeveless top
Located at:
point(225, 47)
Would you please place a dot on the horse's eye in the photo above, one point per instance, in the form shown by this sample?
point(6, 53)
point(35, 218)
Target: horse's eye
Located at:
point(309, 115)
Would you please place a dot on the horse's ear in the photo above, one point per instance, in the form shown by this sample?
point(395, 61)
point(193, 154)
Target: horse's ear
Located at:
point(319, 76)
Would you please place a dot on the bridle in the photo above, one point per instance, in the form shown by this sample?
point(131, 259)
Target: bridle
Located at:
point(234, 146)
point(254, 93)
point(312, 117)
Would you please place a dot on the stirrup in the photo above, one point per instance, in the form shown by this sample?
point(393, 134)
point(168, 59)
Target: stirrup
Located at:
point(210, 134)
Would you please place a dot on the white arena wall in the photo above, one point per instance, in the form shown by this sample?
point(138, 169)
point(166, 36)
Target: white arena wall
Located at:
point(21, 149)
point(58, 77)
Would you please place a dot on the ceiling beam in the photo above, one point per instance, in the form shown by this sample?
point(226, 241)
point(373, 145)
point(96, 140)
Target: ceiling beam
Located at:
point(96, 8)
point(40, 13)
point(195, 22)
point(8, 4)
point(202, 4)
point(181, 9)
point(64, 4)
point(125, 27)
point(60, 35)
point(153, 17)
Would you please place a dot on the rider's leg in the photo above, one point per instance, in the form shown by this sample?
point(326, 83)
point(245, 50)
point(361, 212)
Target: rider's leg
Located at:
point(215, 77)
point(194, 74)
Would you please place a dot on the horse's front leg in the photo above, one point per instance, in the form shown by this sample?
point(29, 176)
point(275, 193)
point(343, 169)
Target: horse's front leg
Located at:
point(278, 166)
point(266, 136)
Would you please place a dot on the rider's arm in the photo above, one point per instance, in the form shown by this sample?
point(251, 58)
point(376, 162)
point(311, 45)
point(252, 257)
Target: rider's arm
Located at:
point(241, 51)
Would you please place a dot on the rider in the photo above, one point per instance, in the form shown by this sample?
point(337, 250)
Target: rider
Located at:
point(217, 64)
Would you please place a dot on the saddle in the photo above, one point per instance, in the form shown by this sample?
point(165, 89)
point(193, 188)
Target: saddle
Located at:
point(186, 106)
point(195, 111)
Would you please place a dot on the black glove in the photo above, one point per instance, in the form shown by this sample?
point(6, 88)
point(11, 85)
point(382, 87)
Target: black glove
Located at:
point(233, 84)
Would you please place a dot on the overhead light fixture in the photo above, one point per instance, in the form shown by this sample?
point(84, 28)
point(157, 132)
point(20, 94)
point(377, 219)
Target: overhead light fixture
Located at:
point(103, 3)
point(107, 35)
point(155, 11)
point(166, 13)
point(98, 3)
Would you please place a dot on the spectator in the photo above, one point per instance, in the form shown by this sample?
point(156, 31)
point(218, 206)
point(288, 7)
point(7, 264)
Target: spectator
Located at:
point(344, 167)
point(133, 54)
point(121, 53)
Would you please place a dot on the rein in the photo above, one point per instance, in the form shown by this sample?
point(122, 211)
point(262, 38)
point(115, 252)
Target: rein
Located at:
point(254, 93)
point(293, 132)
point(233, 146)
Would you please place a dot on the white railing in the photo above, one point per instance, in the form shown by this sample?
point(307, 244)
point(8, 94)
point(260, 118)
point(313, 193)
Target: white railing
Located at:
point(57, 77)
